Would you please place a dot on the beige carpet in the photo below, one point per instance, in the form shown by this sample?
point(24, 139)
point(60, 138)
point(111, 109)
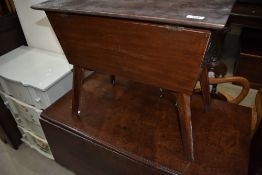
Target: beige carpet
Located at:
point(234, 90)
point(27, 161)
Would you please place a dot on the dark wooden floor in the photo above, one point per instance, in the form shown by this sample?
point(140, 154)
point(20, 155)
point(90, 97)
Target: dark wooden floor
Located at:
point(130, 120)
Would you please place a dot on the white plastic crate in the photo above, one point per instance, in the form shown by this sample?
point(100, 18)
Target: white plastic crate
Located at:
point(35, 76)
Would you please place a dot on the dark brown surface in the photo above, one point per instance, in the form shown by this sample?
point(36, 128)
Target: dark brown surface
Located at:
point(251, 41)
point(160, 55)
point(9, 132)
point(256, 145)
point(249, 63)
point(129, 129)
point(184, 111)
point(247, 15)
point(77, 87)
point(215, 12)
point(11, 34)
point(139, 51)
point(249, 66)
point(204, 83)
point(248, 10)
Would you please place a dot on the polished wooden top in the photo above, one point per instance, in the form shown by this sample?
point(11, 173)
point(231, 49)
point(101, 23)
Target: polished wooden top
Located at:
point(198, 13)
point(132, 119)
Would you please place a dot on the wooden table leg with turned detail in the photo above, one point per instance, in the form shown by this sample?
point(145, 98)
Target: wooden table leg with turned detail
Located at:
point(204, 84)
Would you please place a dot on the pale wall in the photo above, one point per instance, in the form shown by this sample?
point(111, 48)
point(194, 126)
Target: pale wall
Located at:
point(37, 29)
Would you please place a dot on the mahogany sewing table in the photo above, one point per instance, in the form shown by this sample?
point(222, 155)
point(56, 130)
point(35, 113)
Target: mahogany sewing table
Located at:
point(161, 43)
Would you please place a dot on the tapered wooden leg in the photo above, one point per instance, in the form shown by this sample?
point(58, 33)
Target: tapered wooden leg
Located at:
point(78, 74)
point(183, 104)
point(204, 83)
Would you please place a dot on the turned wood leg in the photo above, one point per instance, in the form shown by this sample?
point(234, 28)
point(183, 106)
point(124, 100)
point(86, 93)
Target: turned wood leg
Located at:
point(183, 105)
point(78, 74)
point(113, 79)
point(204, 83)
point(215, 65)
point(219, 69)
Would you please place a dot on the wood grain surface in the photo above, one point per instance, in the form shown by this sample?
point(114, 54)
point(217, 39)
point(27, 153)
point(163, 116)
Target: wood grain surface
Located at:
point(160, 55)
point(198, 13)
point(129, 129)
point(184, 111)
point(78, 76)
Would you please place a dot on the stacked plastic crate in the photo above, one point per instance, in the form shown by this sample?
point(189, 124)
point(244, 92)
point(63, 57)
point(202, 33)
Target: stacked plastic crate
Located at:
point(30, 81)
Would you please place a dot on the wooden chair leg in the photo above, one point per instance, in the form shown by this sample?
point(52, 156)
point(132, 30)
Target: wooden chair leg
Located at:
point(204, 83)
point(183, 104)
point(78, 75)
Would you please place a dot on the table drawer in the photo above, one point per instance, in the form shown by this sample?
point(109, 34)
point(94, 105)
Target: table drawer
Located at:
point(249, 66)
point(245, 9)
